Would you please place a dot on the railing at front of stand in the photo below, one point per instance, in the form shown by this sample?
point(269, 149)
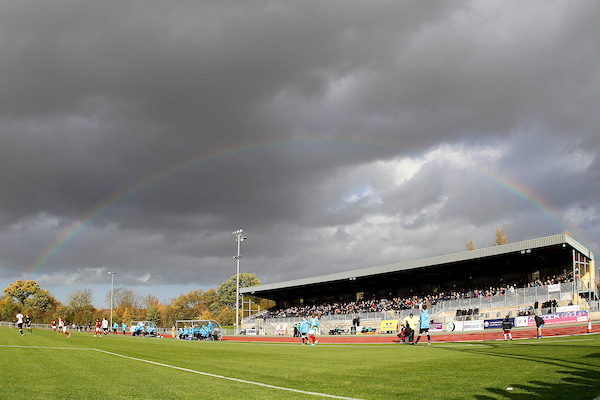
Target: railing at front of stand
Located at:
point(512, 298)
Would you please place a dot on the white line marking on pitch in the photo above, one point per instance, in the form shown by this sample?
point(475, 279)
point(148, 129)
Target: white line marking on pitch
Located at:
point(45, 347)
point(228, 378)
point(331, 396)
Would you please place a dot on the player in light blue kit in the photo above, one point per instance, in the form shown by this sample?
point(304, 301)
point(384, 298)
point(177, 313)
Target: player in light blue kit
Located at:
point(424, 325)
point(304, 327)
point(314, 324)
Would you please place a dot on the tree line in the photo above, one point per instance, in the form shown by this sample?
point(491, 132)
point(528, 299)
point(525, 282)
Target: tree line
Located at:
point(27, 297)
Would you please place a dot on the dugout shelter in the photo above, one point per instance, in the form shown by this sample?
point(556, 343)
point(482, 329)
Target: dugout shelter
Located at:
point(525, 260)
point(217, 331)
point(143, 328)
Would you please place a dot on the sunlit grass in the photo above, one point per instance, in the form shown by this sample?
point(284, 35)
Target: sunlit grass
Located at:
point(51, 366)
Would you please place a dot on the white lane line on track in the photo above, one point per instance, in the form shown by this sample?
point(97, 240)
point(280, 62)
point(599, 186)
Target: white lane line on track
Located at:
point(331, 396)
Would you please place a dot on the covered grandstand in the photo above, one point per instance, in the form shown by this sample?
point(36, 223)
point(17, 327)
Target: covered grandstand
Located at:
point(522, 261)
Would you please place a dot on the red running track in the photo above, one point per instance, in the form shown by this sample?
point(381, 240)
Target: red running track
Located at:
point(493, 334)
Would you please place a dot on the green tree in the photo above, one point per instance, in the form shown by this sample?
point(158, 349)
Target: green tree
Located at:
point(125, 298)
point(193, 305)
point(149, 300)
point(81, 300)
point(127, 317)
point(40, 305)
point(8, 309)
point(226, 317)
point(228, 288)
point(22, 290)
point(189, 305)
point(80, 305)
point(152, 314)
point(29, 298)
point(167, 314)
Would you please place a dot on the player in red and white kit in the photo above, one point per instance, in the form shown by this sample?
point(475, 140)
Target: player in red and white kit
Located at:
point(53, 325)
point(64, 329)
point(97, 328)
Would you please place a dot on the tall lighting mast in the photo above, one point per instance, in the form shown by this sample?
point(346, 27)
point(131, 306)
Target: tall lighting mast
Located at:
point(112, 281)
point(239, 238)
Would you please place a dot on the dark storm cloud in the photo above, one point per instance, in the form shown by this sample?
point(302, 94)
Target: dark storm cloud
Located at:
point(327, 129)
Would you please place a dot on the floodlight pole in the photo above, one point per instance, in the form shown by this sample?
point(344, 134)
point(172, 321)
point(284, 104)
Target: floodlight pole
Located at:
point(112, 281)
point(238, 238)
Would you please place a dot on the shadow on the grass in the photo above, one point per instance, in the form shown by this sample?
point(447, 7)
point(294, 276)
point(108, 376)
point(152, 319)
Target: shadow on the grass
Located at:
point(578, 379)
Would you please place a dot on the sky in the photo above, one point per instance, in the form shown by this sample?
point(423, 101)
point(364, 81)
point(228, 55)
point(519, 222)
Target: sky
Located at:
point(136, 136)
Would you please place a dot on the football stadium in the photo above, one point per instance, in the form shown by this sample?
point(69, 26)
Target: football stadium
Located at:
point(483, 339)
point(475, 290)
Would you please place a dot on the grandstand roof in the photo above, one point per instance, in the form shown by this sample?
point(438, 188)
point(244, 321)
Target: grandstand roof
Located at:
point(552, 254)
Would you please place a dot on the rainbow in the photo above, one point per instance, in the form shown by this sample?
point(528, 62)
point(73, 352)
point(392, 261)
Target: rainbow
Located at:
point(525, 194)
point(71, 232)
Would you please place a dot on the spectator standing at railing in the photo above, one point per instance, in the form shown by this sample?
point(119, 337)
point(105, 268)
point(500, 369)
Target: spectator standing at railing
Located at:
point(296, 330)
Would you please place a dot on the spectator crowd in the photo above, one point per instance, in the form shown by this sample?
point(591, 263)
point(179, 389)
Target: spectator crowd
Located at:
point(411, 301)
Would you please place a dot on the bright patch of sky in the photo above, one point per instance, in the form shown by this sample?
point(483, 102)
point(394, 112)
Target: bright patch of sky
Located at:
point(363, 193)
point(40, 222)
point(459, 156)
point(576, 161)
point(580, 216)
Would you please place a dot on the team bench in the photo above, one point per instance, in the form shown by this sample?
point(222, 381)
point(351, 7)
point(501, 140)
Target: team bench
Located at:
point(338, 331)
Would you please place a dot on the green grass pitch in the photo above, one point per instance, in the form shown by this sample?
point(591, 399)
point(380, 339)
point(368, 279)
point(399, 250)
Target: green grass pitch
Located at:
point(50, 366)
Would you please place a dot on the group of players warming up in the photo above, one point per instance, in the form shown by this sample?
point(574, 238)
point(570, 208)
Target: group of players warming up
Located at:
point(308, 330)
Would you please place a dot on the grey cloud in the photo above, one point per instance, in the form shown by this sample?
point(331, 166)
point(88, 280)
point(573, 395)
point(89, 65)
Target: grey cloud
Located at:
point(163, 126)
